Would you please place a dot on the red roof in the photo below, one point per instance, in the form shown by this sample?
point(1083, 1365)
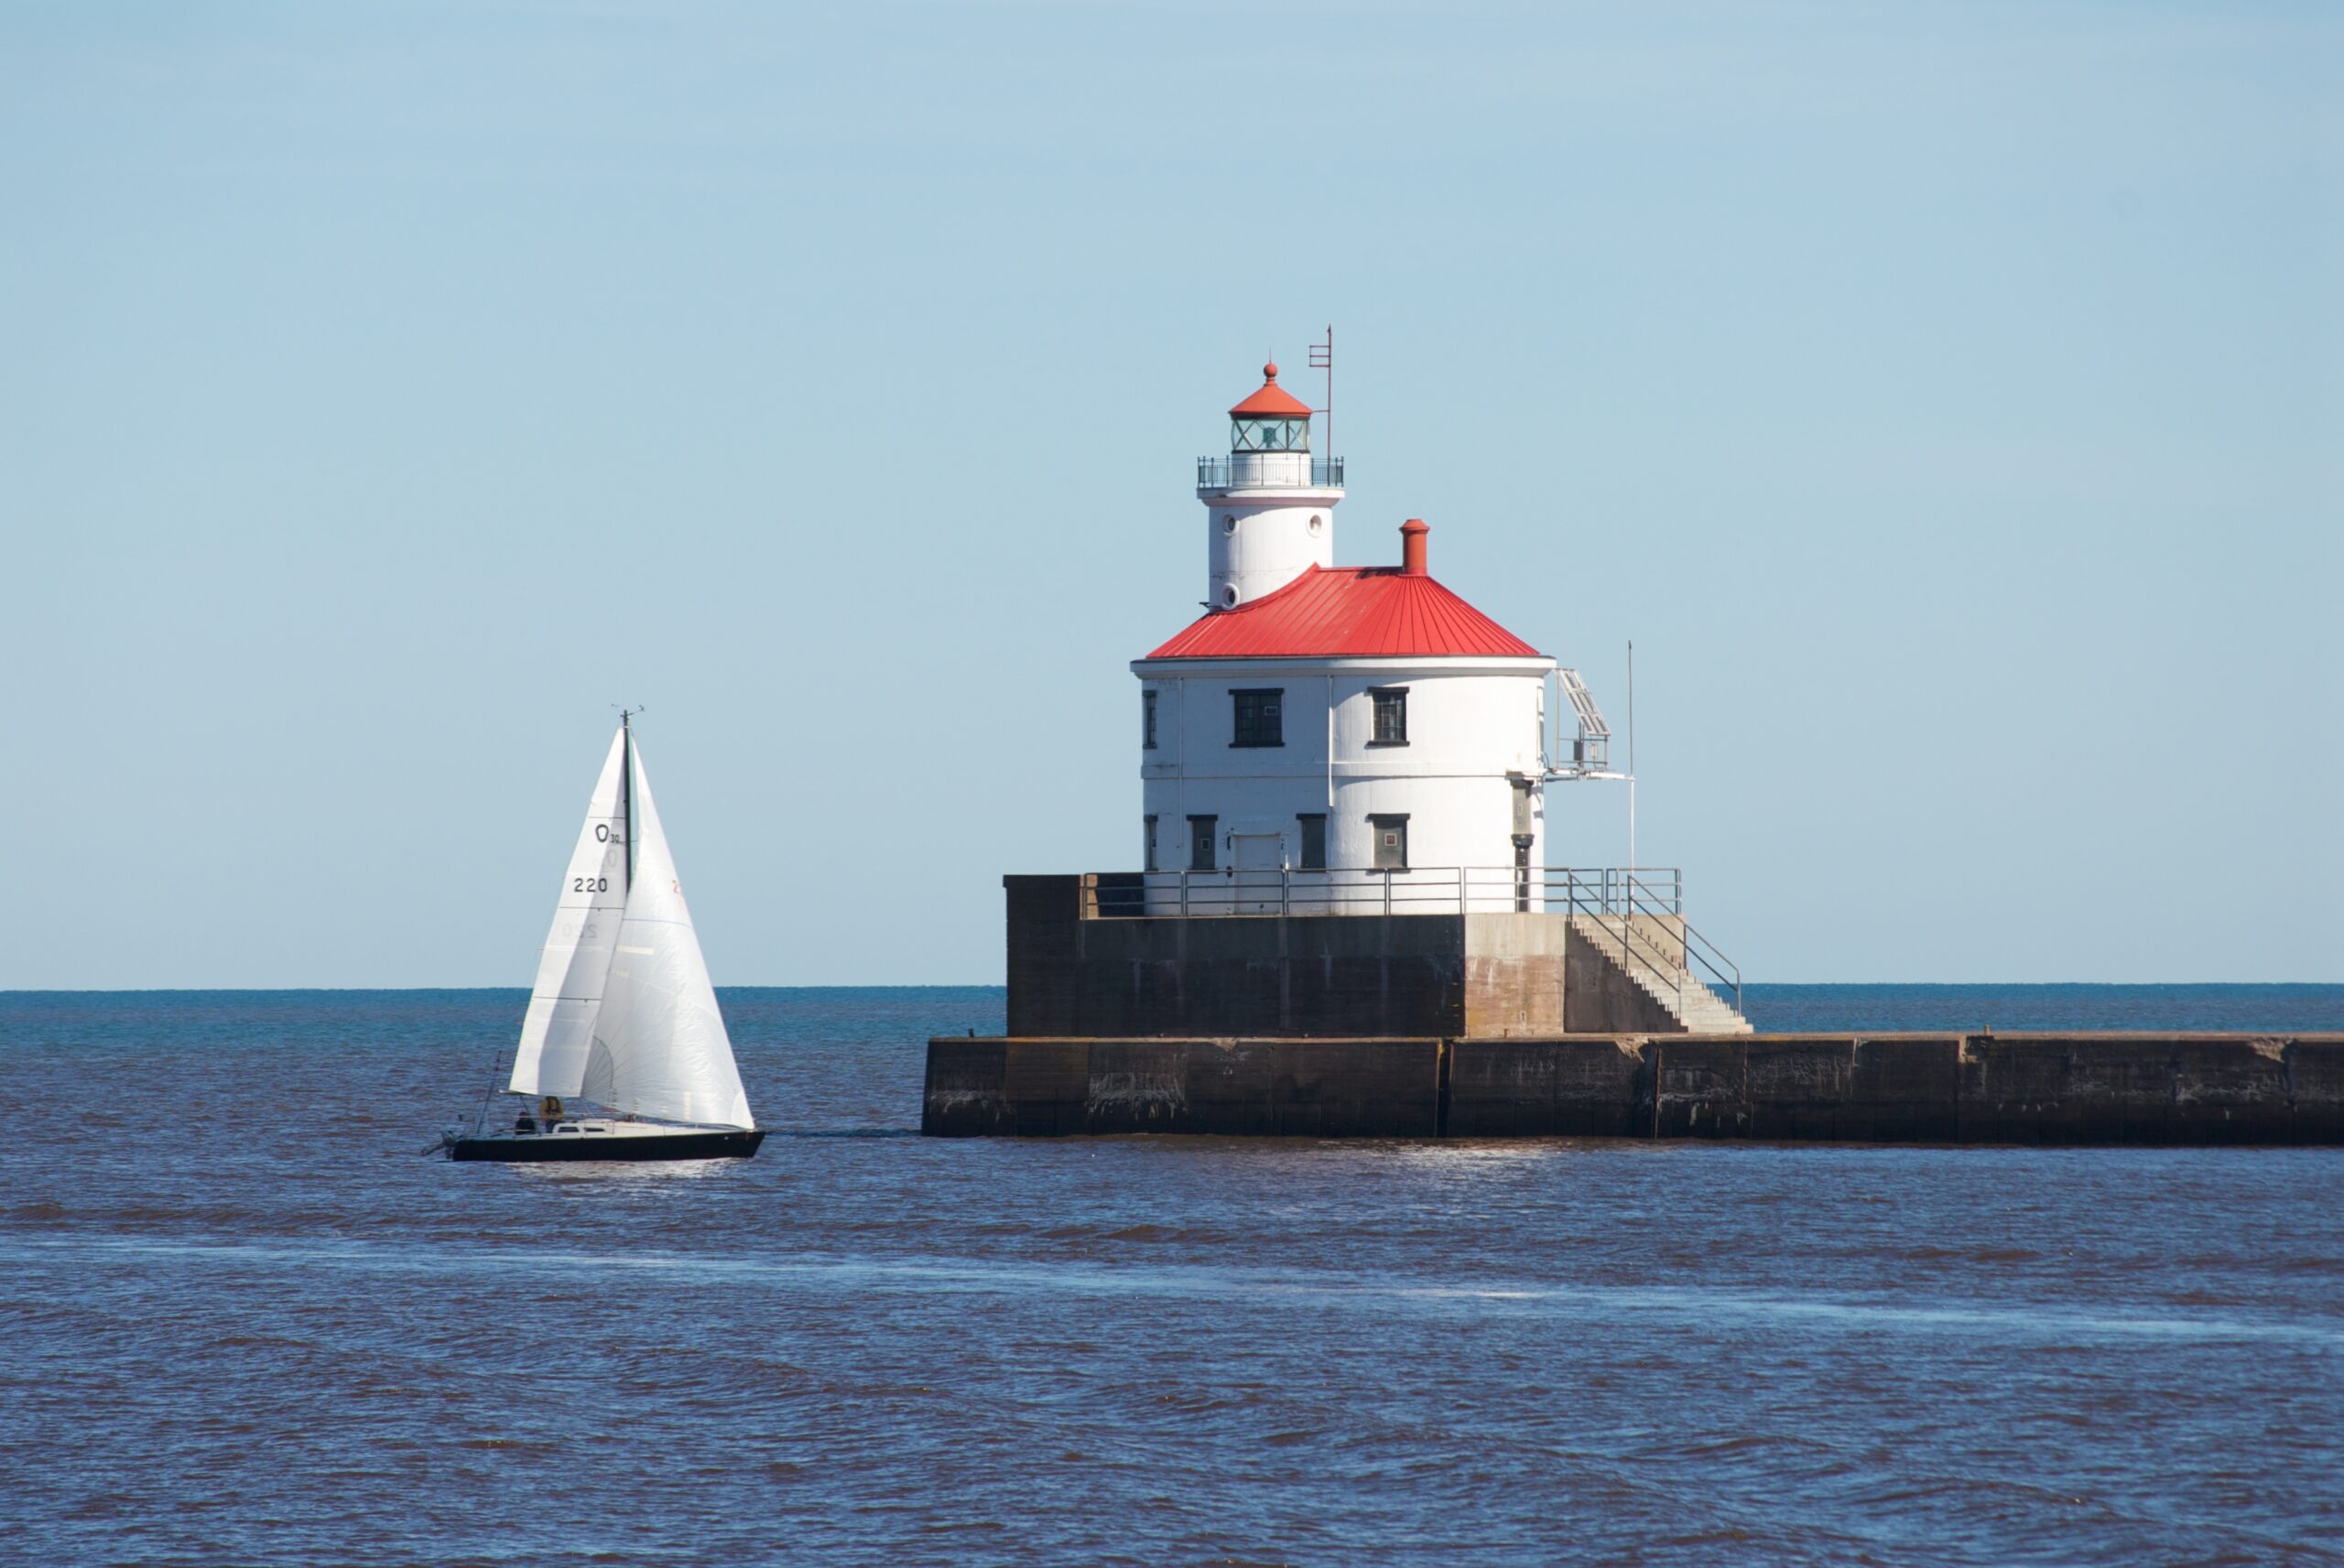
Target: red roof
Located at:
point(1272, 399)
point(1350, 613)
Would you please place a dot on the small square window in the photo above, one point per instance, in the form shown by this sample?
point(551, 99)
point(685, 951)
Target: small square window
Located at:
point(1147, 721)
point(1313, 842)
point(1202, 831)
point(1391, 842)
point(1259, 720)
point(1390, 716)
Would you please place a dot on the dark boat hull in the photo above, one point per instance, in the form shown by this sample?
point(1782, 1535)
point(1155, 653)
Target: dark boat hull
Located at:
point(618, 1146)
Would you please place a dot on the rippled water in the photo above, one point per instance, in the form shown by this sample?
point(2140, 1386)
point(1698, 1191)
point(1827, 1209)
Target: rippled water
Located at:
point(242, 1320)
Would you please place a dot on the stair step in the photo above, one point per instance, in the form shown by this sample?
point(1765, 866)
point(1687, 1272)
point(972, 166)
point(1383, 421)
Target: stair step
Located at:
point(1681, 995)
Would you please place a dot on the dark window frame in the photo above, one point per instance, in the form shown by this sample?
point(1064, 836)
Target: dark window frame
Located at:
point(1377, 821)
point(1148, 842)
point(1204, 846)
point(1240, 736)
point(1308, 820)
point(1147, 721)
point(1378, 697)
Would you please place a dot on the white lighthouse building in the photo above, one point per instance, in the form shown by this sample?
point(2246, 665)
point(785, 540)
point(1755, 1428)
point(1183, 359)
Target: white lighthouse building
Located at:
point(1332, 738)
point(1344, 773)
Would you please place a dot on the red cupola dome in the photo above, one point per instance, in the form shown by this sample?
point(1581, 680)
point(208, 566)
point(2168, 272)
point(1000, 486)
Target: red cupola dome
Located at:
point(1272, 400)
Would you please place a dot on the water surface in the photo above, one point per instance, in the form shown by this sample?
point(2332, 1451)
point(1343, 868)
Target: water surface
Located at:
point(244, 1321)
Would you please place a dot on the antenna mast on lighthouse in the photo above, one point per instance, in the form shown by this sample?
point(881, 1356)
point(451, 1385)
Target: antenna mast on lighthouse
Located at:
point(1322, 357)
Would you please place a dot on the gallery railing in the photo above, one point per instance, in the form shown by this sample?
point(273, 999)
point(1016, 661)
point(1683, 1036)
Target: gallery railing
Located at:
point(1251, 468)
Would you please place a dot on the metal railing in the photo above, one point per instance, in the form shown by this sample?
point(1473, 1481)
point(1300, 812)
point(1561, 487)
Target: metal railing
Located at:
point(1722, 973)
point(1242, 472)
point(1670, 952)
point(1608, 889)
point(1414, 889)
point(1641, 908)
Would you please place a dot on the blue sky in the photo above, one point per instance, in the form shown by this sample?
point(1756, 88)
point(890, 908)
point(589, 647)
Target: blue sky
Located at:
point(1947, 399)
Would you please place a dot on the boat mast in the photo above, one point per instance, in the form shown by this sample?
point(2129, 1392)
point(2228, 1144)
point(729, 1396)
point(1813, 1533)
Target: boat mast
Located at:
point(626, 796)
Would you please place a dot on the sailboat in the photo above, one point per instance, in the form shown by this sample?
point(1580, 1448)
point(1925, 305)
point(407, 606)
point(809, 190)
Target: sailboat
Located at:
point(622, 1019)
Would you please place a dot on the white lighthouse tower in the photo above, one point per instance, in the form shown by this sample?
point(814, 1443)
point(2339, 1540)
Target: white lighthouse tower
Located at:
point(1339, 739)
point(1269, 505)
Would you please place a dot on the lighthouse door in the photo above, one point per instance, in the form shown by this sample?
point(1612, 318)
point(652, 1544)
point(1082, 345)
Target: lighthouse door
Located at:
point(1257, 863)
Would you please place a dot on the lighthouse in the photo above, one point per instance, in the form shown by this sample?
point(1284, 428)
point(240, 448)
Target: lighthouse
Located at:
point(1346, 924)
point(1346, 921)
point(1349, 731)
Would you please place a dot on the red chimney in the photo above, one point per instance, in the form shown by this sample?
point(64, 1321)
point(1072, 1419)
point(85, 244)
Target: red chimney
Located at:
point(1412, 546)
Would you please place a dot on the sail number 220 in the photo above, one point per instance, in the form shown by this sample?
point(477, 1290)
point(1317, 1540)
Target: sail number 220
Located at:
point(594, 884)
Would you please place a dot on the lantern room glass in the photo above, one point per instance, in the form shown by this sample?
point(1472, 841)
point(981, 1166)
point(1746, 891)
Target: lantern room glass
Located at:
point(1269, 435)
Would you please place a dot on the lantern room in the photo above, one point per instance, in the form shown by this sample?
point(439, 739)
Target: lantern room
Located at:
point(1272, 420)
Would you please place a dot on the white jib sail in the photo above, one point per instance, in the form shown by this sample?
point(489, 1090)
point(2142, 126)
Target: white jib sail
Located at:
point(556, 1032)
point(660, 1049)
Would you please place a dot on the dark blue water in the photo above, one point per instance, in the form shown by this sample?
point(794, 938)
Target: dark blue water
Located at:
point(243, 1321)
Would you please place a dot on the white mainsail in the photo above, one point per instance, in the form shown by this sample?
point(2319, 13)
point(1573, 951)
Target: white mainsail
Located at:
point(659, 1045)
point(560, 1024)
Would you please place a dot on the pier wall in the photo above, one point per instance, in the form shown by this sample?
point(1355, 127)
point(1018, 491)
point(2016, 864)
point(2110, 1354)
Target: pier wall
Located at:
point(2070, 1088)
point(1326, 976)
point(1314, 1088)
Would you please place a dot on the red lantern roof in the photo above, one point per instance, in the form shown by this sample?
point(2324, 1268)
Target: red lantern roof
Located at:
point(1350, 613)
point(1272, 400)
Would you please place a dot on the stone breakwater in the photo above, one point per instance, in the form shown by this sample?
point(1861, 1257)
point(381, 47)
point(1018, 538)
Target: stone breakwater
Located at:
point(2074, 1088)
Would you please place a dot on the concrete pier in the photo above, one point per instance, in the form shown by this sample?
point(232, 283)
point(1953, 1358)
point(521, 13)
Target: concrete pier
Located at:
point(2077, 1087)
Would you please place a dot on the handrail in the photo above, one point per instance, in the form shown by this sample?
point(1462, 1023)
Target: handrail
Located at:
point(1223, 473)
point(1713, 959)
point(1700, 949)
point(1414, 890)
point(1636, 946)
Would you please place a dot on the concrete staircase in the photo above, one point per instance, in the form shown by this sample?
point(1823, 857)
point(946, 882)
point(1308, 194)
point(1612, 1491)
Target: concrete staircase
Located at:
point(1647, 960)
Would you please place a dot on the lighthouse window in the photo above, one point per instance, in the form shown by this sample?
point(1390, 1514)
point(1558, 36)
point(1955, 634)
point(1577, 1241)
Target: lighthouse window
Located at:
point(1270, 435)
point(1258, 722)
point(1201, 832)
point(1314, 841)
point(1149, 843)
point(1391, 842)
point(1390, 716)
point(1147, 721)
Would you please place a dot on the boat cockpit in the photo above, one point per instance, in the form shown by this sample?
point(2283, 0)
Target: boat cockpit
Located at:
point(527, 1126)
